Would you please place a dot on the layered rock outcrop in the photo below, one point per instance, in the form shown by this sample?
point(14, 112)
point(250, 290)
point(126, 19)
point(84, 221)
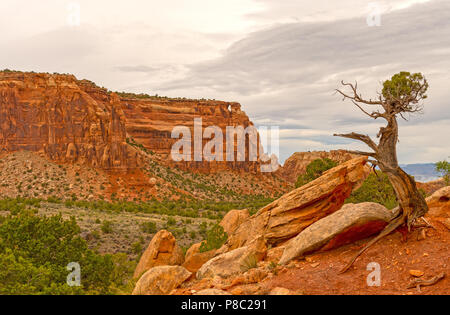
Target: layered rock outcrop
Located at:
point(351, 223)
point(150, 122)
point(65, 119)
point(296, 164)
point(72, 120)
point(286, 217)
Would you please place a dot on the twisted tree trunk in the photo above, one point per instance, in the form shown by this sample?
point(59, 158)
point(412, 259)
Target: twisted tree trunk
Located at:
point(411, 202)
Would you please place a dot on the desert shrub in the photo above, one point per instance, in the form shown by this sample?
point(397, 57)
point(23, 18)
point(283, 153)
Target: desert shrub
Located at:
point(314, 170)
point(148, 227)
point(106, 227)
point(443, 168)
point(375, 189)
point(136, 248)
point(35, 252)
point(215, 238)
point(250, 262)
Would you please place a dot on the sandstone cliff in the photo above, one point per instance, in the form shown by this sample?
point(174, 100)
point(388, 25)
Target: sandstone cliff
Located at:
point(71, 120)
point(65, 119)
point(151, 121)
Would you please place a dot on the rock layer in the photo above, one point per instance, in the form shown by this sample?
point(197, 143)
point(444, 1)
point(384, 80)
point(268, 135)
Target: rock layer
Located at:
point(286, 217)
point(349, 224)
point(151, 122)
point(65, 119)
point(72, 120)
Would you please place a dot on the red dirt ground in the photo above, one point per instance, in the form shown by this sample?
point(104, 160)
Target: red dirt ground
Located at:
point(396, 258)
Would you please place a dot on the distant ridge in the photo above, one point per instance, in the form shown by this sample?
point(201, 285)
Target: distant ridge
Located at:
point(422, 172)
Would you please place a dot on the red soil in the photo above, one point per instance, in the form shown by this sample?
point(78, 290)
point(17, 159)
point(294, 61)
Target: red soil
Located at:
point(396, 258)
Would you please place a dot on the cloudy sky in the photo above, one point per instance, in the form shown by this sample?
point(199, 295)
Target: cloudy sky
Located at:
point(281, 60)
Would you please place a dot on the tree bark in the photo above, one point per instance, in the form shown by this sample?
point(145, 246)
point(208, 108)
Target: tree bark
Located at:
point(411, 202)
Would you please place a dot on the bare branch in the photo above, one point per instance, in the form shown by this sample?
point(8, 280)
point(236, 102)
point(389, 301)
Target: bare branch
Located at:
point(372, 154)
point(364, 138)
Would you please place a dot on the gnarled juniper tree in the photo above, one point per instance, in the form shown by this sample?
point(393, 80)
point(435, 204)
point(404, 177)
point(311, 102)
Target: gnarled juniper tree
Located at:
point(401, 96)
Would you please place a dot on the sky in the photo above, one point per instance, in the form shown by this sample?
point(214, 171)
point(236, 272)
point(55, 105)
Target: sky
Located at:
point(282, 60)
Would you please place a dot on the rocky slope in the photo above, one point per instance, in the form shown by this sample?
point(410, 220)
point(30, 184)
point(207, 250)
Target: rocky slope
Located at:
point(258, 265)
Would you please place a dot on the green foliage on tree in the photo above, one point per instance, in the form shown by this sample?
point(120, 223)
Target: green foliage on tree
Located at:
point(406, 88)
point(35, 252)
point(215, 238)
point(443, 167)
point(314, 170)
point(375, 189)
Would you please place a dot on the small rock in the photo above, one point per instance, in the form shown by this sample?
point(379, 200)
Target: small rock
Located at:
point(315, 265)
point(416, 273)
point(280, 291)
point(309, 259)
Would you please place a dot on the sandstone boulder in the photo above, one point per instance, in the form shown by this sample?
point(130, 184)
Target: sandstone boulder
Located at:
point(234, 262)
point(286, 217)
point(194, 259)
point(351, 223)
point(233, 220)
point(161, 280)
point(162, 250)
point(439, 203)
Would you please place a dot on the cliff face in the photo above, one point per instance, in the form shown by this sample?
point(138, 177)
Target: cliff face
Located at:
point(296, 164)
point(151, 122)
point(71, 120)
point(65, 119)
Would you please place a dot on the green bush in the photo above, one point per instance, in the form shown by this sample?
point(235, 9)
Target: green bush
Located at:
point(375, 189)
point(443, 167)
point(314, 170)
point(148, 227)
point(35, 252)
point(215, 238)
point(106, 227)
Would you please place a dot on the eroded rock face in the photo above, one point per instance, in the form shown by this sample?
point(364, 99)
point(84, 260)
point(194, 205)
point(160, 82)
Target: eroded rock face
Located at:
point(74, 120)
point(296, 164)
point(66, 119)
point(233, 219)
point(439, 203)
point(162, 250)
point(351, 223)
point(286, 217)
point(161, 280)
point(151, 122)
point(234, 262)
point(194, 259)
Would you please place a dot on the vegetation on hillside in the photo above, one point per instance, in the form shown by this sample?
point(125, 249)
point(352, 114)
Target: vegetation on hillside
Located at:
point(35, 252)
point(215, 238)
point(314, 170)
